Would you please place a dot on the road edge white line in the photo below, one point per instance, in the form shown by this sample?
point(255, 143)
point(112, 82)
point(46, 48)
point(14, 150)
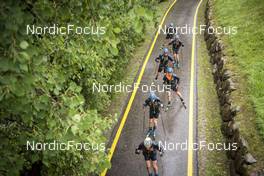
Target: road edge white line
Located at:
point(191, 99)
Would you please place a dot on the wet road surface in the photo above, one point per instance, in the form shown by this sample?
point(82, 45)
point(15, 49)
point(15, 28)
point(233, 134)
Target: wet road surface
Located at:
point(174, 162)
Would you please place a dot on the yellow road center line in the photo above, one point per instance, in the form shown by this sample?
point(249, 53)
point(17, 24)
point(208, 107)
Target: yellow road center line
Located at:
point(190, 137)
point(123, 120)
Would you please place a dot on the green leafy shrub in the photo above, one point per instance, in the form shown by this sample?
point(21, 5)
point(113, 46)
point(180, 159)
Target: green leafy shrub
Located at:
point(46, 80)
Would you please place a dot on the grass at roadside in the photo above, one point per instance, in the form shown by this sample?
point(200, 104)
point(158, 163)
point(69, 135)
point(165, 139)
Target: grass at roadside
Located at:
point(209, 120)
point(245, 58)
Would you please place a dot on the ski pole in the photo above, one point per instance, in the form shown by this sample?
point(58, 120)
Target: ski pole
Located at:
point(144, 119)
point(181, 58)
point(163, 126)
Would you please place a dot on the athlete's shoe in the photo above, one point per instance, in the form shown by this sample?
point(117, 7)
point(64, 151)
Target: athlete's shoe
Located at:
point(154, 133)
point(149, 132)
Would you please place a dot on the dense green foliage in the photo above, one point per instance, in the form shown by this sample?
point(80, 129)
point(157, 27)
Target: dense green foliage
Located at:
point(247, 46)
point(46, 80)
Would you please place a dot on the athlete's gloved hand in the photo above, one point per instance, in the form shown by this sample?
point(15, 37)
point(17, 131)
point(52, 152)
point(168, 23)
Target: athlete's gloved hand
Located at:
point(161, 105)
point(137, 152)
point(161, 154)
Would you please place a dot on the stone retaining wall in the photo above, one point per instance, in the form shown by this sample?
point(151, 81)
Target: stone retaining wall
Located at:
point(240, 158)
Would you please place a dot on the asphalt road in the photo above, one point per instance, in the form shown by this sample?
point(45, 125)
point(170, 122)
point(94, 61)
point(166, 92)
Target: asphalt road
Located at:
point(174, 162)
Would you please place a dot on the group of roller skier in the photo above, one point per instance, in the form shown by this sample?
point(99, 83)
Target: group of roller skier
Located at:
point(166, 65)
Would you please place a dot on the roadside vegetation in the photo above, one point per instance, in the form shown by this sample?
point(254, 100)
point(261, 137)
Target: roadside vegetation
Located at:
point(46, 80)
point(246, 47)
point(244, 52)
point(209, 120)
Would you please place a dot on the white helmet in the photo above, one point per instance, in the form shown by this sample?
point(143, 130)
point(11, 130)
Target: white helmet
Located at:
point(148, 142)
